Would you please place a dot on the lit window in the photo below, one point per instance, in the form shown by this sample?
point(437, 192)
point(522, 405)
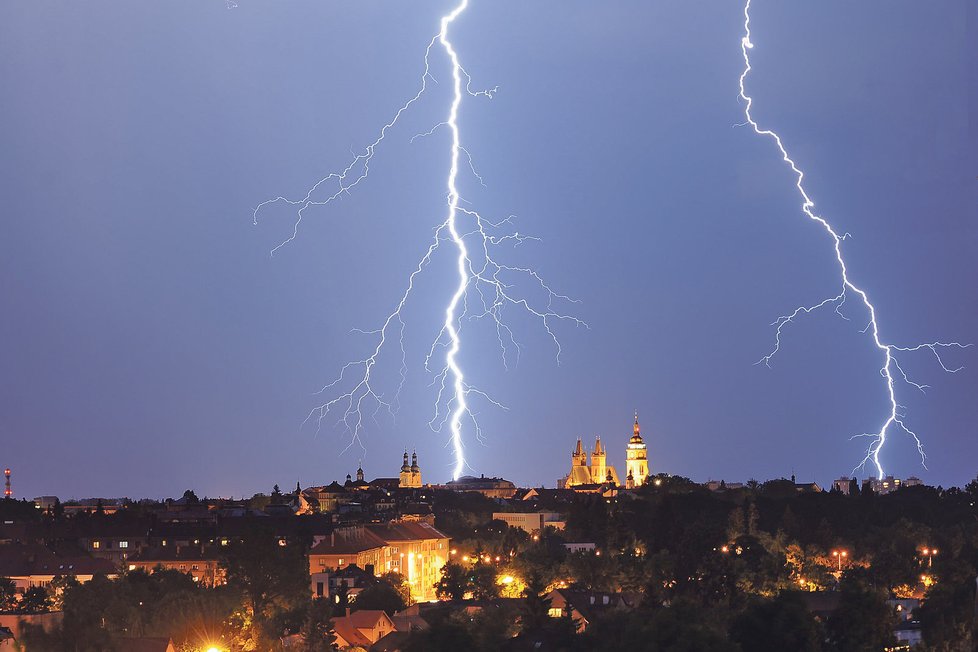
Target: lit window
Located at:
point(555, 612)
point(123, 544)
point(132, 567)
point(341, 561)
point(96, 545)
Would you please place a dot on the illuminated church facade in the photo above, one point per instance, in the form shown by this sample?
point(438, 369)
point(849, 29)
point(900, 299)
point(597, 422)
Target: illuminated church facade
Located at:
point(597, 471)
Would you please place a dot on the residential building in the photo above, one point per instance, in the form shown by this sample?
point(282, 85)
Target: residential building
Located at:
point(413, 548)
point(202, 563)
point(533, 522)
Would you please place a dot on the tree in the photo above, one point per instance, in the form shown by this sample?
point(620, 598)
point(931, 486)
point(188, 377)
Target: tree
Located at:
point(535, 610)
point(776, 625)
point(8, 594)
point(482, 582)
point(452, 584)
point(863, 622)
point(190, 497)
point(273, 577)
point(36, 600)
point(381, 595)
point(317, 629)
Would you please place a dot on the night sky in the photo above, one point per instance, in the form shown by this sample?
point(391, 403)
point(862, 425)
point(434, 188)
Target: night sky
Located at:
point(150, 343)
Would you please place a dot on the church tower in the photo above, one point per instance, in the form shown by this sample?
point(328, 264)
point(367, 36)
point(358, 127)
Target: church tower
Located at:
point(410, 477)
point(636, 459)
point(579, 457)
point(599, 468)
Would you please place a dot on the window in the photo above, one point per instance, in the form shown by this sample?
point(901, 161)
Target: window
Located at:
point(96, 545)
point(123, 544)
point(194, 567)
point(555, 612)
point(183, 567)
point(132, 567)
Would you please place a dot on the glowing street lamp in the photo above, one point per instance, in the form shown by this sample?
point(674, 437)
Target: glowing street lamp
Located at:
point(840, 555)
point(929, 553)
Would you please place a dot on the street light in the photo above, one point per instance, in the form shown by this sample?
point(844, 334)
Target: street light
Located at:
point(840, 555)
point(929, 553)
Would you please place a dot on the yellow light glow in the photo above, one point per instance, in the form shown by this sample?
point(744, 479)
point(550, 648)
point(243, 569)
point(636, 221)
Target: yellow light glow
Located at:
point(507, 579)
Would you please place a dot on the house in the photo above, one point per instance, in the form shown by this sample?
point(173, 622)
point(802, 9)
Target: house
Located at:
point(202, 563)
point(362, 628)
point(32, 564)
point(532, 523)
point(352, 577)
point(413, 548)
point(489, 487)
point(584, 607)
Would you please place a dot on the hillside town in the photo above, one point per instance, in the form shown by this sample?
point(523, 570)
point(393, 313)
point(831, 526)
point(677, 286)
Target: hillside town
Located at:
point(654, 562)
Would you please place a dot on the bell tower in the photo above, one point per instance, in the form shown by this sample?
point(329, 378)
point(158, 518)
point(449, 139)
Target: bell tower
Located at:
point(636, 459)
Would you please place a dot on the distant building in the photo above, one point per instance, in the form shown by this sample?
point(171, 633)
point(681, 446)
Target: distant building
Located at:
point(877, 485)
point(30, 565)
point(490, 487)
point(584, 607)
point(329, 497)
point(413, 548)
point(721, 485)
point(202, 563)
point(582, 473)
point(532, 523)
point(590, 475)
point(361, 629)
point(636, 459)
point(410, 475)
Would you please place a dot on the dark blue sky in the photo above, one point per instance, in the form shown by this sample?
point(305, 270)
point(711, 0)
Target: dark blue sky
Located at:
point(150, 343)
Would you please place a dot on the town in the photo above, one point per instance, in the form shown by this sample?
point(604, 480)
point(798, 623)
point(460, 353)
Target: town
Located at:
point(657, 562)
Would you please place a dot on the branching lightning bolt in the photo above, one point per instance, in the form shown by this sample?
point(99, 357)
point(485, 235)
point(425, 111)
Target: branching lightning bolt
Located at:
point(489, 285)
point(890, 369)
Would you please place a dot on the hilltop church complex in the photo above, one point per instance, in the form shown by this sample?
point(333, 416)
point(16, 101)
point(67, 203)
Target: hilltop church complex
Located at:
point(598, 472)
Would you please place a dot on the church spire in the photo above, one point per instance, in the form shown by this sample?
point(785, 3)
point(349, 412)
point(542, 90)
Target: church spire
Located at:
point(636, 431)
point(598, 448)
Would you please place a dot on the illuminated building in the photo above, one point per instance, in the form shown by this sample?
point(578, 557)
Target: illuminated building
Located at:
point(532, 522)
point(596, 472)
point(410, 475)
point(202, 563)
point(636, 459)
point(588, 476)
point(413, 548)
point(489, 487)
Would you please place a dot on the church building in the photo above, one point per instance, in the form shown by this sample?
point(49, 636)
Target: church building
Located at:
point(410, 477)
point(596, 471)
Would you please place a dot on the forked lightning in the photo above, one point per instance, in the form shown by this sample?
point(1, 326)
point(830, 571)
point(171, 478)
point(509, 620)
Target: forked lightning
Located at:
point(486, 287)
point(890, 370)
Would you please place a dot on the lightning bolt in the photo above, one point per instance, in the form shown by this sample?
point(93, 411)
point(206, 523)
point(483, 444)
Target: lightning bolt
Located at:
point(486, 288)
point(890, 369)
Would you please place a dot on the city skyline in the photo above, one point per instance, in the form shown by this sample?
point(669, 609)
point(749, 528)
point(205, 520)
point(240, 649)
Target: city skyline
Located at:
point(152, 344)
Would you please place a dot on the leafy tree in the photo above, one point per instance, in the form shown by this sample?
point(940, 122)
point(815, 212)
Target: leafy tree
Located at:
point(317, 629)
point(482, 582)
point(381, 595)
point(452, 584)
point(273, 577)
point(535, 610)
point(8, 594)
point(783, 623)
point(36, 600)
point(863, 622)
